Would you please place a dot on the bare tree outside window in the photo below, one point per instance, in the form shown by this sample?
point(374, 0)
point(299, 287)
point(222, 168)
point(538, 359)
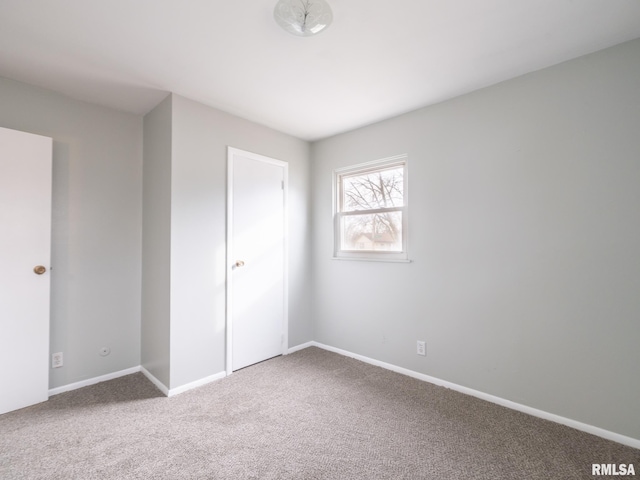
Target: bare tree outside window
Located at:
point(371, 207)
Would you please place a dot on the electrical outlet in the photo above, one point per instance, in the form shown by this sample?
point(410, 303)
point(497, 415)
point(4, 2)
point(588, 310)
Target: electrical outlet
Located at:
point(422, 348)
point(56, 360)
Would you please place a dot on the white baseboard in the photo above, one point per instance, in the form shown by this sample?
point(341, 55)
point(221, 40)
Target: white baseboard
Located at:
point(176, 391)
point(92, 381)
point(159, 385)
point(302, 347)
point(197, 383)
point(600, 432)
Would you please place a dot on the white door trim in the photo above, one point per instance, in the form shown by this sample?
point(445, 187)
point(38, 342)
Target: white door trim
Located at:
point(231, 151)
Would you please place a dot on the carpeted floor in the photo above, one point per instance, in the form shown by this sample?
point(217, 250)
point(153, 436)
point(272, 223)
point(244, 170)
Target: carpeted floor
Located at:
point(310, 415)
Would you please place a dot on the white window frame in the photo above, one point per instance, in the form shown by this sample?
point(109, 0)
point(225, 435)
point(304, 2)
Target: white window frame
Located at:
point(338, 214)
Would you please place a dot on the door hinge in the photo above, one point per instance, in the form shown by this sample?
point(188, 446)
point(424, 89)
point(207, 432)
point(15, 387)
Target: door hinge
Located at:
point(282, 184)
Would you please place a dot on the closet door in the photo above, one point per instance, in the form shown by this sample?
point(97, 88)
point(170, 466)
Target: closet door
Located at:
point(256, 281)
point(25, 252)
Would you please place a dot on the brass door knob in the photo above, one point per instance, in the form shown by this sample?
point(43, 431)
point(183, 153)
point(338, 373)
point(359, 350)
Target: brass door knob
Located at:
point(39, 270)
point(239, 263)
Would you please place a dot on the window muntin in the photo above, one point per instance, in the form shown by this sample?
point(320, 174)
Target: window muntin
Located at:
point(371, 210)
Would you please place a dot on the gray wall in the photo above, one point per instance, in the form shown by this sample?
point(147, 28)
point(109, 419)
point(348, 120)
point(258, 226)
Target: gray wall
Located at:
point(199, 137)
point(156, 241)
point(97, 215)
point(524, 233)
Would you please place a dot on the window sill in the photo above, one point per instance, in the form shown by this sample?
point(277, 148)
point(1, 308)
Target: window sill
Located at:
point(370, 259)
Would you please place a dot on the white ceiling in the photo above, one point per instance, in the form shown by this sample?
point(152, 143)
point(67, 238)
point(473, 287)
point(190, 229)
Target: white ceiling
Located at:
point(378, 59)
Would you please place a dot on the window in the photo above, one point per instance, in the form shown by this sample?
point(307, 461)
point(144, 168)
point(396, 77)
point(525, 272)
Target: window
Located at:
point(370, 213)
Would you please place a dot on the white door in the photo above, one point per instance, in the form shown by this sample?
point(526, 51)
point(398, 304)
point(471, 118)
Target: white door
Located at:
point(256, 255)
point(25, 249)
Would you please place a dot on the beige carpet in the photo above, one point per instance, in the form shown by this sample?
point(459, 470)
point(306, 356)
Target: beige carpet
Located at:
point(309, 415)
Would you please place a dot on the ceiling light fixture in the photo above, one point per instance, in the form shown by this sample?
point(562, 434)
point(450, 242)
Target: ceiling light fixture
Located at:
point(303, 17)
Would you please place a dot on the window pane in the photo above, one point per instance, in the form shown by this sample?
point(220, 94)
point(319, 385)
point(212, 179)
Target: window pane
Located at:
point(372, 232)
point(373, 190)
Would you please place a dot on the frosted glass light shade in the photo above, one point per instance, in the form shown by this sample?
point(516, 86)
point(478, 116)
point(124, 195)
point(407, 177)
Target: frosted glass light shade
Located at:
point(303, 17)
